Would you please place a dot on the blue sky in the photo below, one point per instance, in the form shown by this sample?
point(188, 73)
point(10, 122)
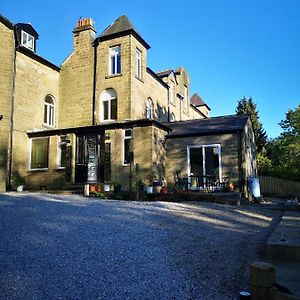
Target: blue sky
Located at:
point(231, 48)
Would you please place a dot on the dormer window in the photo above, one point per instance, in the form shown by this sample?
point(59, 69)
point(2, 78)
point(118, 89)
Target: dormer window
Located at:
point(27, 40)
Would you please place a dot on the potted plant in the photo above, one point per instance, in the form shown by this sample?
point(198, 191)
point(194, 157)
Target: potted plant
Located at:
point(230, 186)
point(157, 184)
point(149, 183)
point(18, 182)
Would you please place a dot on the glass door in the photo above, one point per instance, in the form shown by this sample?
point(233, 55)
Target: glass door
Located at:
point(204, 165)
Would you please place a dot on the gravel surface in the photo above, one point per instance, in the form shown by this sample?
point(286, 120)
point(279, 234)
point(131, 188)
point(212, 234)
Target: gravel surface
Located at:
point(70, 247)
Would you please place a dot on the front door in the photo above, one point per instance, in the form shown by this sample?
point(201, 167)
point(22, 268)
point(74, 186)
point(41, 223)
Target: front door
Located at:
point(87, 159)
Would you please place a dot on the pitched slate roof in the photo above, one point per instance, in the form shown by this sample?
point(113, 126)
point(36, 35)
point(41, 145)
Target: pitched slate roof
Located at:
point(209, 126)
point(197, 101)
point(28, 28)
point(6, 22)
point(120, 27)
point(164, 73)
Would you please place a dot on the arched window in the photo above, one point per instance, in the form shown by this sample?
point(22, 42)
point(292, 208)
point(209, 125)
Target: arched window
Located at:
point(108, 104)
point(149, 109)
point(172, 117)
point(49, 110)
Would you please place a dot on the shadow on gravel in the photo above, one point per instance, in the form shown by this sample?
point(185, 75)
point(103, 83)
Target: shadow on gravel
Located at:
point(56, 247)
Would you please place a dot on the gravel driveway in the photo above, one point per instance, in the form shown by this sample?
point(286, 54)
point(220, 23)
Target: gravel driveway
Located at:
point(70, 247)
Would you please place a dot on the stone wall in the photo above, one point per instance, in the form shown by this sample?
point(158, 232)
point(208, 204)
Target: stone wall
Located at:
point(34, 81)
point(120, 82)
point(177, 154)
point(6, 87)
point(146, 87)
point(76, 82)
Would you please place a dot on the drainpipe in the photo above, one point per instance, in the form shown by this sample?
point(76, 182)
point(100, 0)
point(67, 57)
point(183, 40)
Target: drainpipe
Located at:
point(96, 43)
point(12, 108)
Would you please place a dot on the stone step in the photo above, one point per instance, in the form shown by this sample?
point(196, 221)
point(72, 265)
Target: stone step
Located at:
point(284, 243)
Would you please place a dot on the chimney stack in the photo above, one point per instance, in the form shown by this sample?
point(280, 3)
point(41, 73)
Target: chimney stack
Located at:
point(83, 24)
point(84, 33)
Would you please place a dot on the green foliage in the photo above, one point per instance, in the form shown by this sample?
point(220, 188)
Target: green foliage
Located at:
point(284, 151)
point(264, 163)
point(17, 180)
point(291, 124)
point(247, 106)
point(101, 195)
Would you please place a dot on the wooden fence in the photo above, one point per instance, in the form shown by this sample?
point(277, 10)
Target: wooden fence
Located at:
point(280, 187)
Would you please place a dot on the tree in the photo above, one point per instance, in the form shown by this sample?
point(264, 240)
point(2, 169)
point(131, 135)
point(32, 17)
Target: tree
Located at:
point(285, 149)
point(247, 106)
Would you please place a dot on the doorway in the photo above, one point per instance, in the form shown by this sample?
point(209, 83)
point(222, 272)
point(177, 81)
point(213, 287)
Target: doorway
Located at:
point(204, 162)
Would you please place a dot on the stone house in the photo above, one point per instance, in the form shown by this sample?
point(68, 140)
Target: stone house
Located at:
point(104, 111)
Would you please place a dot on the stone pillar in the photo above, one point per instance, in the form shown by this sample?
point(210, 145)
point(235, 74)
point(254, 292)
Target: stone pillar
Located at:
point(263, 276)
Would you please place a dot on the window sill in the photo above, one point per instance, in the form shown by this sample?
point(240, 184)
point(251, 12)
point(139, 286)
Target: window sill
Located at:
point(46, 126)
point(107, 121)
point(139, 79)
point(125, 165)
point(61, 168)
point(113, 76)
point(39, 170)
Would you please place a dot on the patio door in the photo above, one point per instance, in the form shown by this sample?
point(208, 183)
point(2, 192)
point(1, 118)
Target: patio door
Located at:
point(204, 161)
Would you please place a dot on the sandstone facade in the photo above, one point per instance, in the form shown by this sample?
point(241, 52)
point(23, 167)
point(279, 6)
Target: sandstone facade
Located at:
point(98, 115)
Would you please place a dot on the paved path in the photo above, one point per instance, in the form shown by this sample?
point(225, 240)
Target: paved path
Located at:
point(70, 247)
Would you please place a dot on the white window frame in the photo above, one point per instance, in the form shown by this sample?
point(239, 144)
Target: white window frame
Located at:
point(30, 158)
point(149, 109)
point(124, 139)
point(25, 43)
point(138, 63)
point(50, 110)
point(102, 100)
point(171, 93)
point(114, 54)
point(203, 158)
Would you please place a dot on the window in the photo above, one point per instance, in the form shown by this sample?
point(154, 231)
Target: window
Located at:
point(186, 100)
point(62, 153)
point(109, 105)
point(127, 146)
point(39, 153)
point(115, 60)
point(27, 40)
point(138, 63)
point(149, 113)
point(171, 91)
point(172, 118)
point(49, 111)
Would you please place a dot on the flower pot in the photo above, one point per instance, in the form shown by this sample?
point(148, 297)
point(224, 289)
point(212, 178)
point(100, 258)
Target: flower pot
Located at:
point(149, 189)
point(20, 188)
point(230, 187)
point(164, 190)
point(157, 189)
